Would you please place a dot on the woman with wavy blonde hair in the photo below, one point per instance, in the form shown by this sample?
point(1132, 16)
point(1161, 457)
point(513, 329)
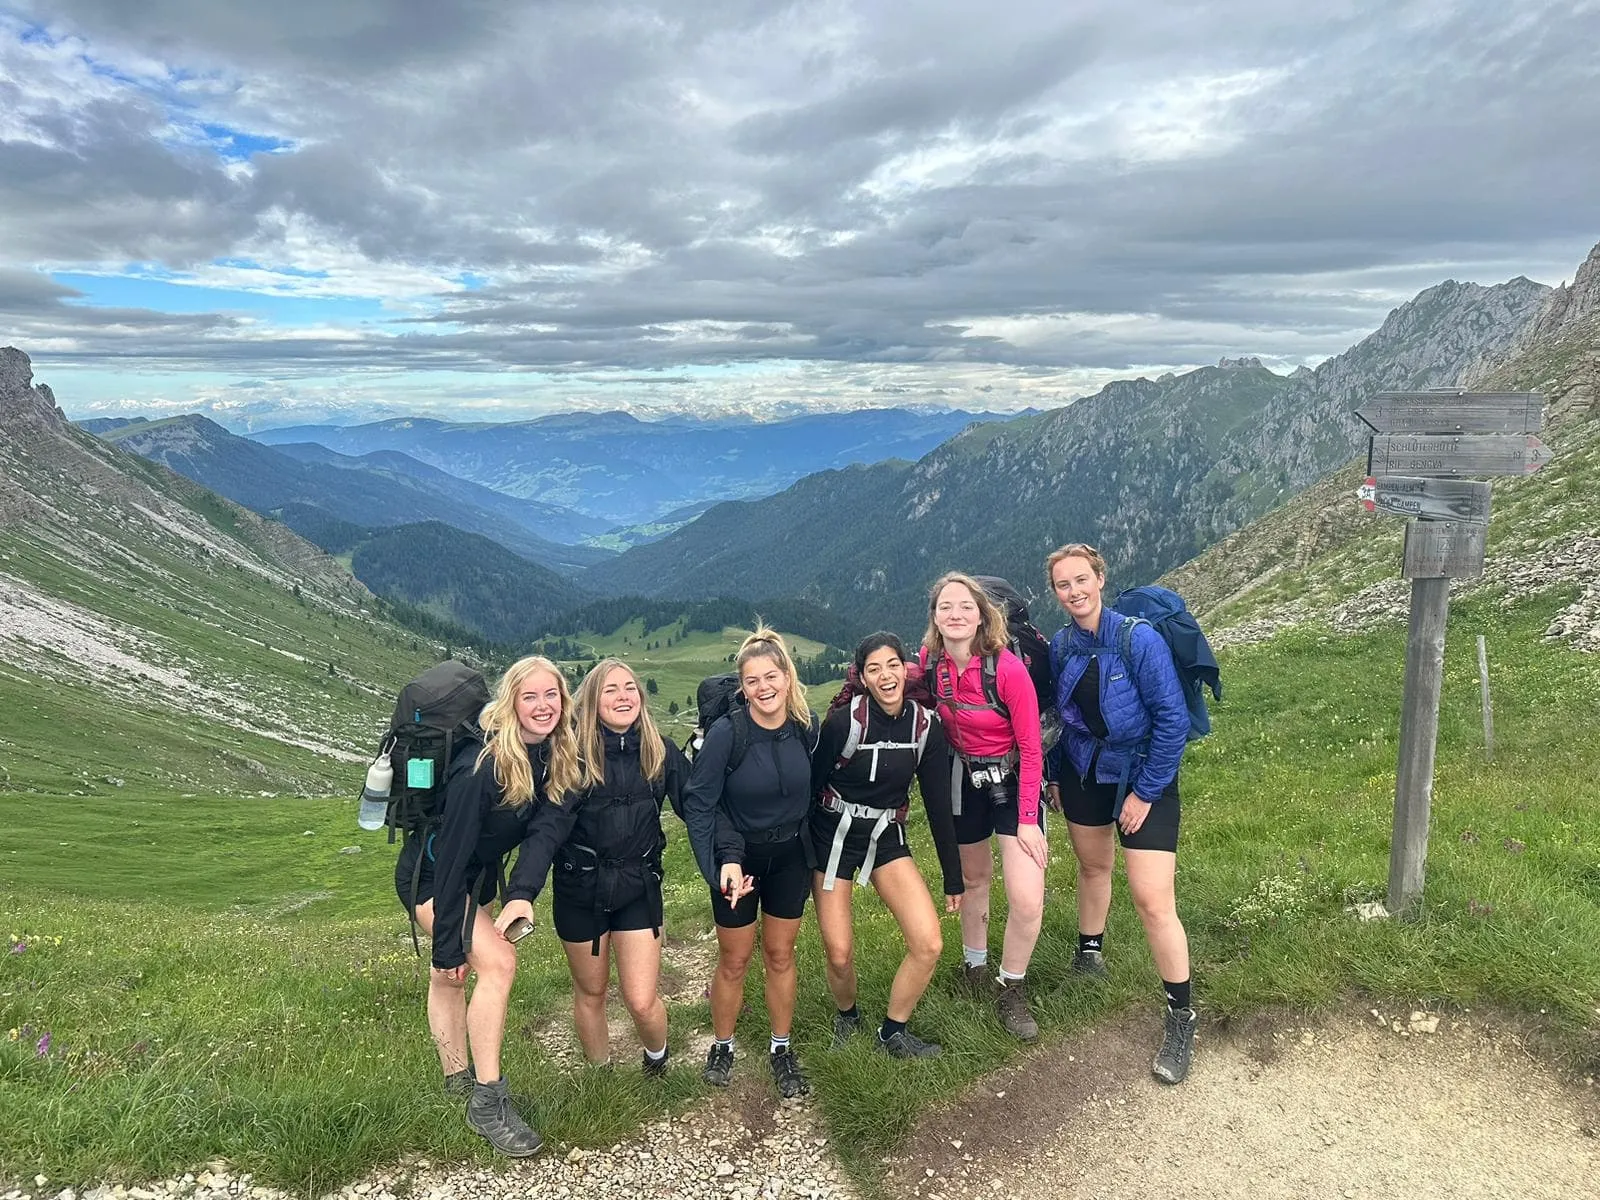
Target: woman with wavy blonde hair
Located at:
point(496, 792)
point(748, 799)
point(605, 843)
point(990, 713)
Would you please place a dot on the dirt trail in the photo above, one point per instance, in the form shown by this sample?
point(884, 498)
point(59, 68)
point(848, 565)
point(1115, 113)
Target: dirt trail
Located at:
point(1340, 1105)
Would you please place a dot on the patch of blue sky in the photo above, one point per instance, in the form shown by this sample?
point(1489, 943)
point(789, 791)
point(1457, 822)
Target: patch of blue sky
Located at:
point(236, 145)
point(170, 296)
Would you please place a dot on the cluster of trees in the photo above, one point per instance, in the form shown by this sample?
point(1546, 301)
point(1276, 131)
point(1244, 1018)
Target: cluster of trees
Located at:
point(708, 616)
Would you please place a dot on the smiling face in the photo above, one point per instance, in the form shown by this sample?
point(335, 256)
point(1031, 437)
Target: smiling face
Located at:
point(956, 614)
point(765, 685)
point(620, 702)
point(1077, 586)
point(538, 705)
point(884, 674)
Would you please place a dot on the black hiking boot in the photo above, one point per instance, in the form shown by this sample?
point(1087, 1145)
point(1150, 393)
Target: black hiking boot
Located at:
point(459, 1084)
point(1014, 1015)
point(656, 1068)
point(787, 1074)
point(976, 982)
point(490, 1113)
point(844, 1027)
point(1090, 964)
point(906, 1044)
point(1177, 1046)
point(719, 1065)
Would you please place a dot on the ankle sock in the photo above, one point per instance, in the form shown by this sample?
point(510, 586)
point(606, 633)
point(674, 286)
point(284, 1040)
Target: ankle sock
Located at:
point(655, 1055)
point(890, 1028)
point(853, 1012)
point(1092, 941)
point(723, 1043)
point(1177, 994)
point(975, 958)
point(1007, 977)
point(779, 1043)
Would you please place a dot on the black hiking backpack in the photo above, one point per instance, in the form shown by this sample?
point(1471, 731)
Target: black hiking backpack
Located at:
point(435, 712)
point(719, 696)
point(1026, 642)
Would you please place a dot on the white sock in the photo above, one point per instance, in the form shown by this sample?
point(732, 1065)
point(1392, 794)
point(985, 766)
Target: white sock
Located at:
point(655, 1055)
point(975, 958)
point(779, 1043)
point(1007, 977)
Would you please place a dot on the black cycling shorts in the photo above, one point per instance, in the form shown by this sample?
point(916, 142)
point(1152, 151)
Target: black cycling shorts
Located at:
point(783, 881)
point(980, 817)
point(1092, 803)
point(406, 864)
point(577, 920)
point(824, 824)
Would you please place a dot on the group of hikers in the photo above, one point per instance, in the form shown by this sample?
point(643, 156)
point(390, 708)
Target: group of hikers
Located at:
point(781, 807)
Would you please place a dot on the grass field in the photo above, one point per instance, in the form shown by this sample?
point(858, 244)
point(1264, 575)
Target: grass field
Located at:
point(204, 976)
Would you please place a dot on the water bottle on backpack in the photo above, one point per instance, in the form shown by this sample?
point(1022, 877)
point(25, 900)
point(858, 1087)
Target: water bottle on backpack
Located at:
point(375, 795)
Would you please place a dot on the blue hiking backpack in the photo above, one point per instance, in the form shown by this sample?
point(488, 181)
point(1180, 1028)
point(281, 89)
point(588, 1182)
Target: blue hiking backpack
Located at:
point(1191, 654)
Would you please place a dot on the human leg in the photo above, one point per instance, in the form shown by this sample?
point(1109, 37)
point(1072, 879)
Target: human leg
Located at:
point(638, 954)
point(905, 894)
point(447, 1009)
point(591, 973)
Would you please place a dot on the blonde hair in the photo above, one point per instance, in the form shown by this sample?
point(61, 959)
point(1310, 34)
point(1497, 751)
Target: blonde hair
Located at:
point(1073, 550)
point(991, 637)
point(765, 643)
point(591, 742)
point(513, 769)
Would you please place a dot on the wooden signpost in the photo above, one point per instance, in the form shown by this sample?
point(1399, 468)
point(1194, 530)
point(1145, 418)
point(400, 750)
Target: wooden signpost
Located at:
point(1425, 449)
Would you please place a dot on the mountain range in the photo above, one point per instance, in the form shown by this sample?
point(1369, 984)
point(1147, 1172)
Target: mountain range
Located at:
point(625, 471)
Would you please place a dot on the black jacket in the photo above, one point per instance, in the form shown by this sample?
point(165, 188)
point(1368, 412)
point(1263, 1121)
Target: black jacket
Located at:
point(475, 835)
point(770, 787)
point(895, 771)
point(618, 819)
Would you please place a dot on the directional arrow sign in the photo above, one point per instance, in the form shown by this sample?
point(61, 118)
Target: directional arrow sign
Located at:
point(1454, 412)
point(1447, 457)
point(1439, 499)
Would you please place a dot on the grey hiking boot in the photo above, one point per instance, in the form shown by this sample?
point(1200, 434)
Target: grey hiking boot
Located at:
point(1177, 1046)
point(719, 1065)
point(1014, 1015)
point(906, 1044)
point(1091, 964)
point(460, 1083)
point(787, 1075)
point(976, 982)
point(844, 1027)
point(491, 1114)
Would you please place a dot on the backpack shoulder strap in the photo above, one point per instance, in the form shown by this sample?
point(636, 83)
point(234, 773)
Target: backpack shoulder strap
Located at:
point(740, 720)
point(857, 731)
point(991, 685)
point(921, 724)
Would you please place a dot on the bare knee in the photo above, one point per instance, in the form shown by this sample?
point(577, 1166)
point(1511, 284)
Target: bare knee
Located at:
point(733, 964)
point(639, 1003)
point(841, 958)
point(1094, 870)
point(778, 959)
point(496, 968)
point(924, 949)
point(977, 878)
point(1155, 908)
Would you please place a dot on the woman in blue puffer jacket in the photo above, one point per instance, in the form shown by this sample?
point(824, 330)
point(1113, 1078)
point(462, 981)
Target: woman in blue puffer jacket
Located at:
point(1124, 727)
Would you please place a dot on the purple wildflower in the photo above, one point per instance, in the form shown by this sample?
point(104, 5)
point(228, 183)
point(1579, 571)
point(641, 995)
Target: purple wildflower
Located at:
point(18, 947)
point(44, 1045)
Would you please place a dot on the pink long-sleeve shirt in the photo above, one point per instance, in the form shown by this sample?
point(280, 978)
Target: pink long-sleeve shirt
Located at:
point(986, 733)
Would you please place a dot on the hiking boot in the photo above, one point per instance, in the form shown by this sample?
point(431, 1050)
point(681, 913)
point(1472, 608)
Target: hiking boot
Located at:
point(906, 1044)
point(719, 1065)
point(844, 1027)
point(490, 1114)
point(1091, 964)
point(786, 1073)
point(1177, 1046)
point(656, 1068)
point(976, 982)
point(459, 1084)
point(1014, 1015)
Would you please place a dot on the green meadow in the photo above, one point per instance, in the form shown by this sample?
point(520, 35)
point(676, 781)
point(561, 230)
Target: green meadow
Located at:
point(189, 975)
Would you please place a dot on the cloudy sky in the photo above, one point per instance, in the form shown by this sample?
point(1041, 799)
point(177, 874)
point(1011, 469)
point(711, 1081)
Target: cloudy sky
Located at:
point(306, 209)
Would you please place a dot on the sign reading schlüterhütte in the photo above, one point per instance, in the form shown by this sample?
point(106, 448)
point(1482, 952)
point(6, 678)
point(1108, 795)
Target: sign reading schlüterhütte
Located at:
point(1445, 456)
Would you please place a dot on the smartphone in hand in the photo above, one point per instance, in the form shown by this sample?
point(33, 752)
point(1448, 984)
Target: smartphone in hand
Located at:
point(518, 929)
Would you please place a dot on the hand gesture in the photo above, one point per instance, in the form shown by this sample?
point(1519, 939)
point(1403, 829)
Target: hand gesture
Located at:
point(736, 885)
point(1134, 811)
point(1031, 839)
point(512, 910)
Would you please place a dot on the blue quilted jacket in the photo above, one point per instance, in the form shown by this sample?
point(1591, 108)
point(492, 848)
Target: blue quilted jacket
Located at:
point(1143, 707)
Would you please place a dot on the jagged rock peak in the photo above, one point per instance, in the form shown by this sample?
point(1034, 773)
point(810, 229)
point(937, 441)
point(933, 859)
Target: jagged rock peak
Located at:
point(1569, 304)
point(1301, 372)
point(20, 400)
point(1231, 364)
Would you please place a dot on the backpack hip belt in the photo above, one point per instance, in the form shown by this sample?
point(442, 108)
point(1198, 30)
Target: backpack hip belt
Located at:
point(778, 833)
point(604, 896)
point(849, 813)
point(1004, 763)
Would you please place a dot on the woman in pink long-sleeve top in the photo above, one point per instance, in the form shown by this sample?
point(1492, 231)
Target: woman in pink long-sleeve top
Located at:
point(991, 718)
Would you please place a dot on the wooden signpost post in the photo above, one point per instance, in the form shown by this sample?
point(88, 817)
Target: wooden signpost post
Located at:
point(1425, 449)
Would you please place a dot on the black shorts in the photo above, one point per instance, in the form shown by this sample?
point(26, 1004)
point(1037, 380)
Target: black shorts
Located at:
point(406, 864)
point(980, 817)
point(783, 881)
point(1092, 803)
point(824, 825)
point(577, 920)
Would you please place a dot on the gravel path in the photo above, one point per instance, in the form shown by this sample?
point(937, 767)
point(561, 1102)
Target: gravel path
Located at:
point(1398, 1106)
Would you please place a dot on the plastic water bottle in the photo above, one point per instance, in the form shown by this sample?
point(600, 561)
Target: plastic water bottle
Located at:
point(375, 796)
